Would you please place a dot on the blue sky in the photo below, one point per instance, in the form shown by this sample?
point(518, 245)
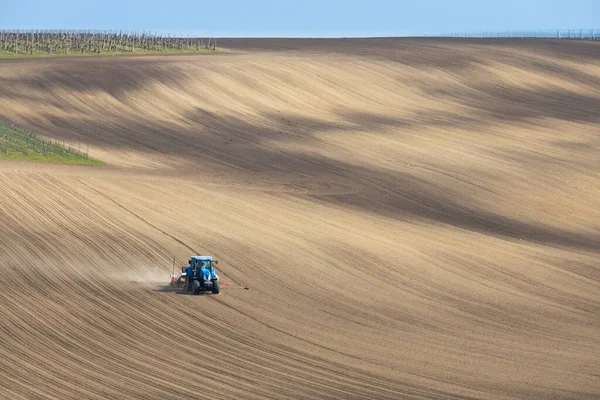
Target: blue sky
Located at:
point(294, 18)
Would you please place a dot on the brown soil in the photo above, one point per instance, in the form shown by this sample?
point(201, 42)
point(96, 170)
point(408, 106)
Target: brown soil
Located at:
point(414, 219)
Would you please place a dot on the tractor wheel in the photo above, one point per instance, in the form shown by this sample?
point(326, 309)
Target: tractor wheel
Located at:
point(196, 287)
point(216, 287)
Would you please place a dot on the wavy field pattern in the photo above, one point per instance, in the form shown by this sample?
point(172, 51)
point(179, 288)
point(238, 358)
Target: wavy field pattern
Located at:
point(415, 219)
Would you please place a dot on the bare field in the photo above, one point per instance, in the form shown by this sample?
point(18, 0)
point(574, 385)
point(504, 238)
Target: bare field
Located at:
point(414, 218)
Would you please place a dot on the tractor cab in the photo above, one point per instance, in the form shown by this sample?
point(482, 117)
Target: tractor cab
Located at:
point(201, 266)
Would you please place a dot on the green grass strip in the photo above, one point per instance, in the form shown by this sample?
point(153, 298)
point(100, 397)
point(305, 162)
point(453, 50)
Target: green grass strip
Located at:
point(19, 145)
point(135, 52)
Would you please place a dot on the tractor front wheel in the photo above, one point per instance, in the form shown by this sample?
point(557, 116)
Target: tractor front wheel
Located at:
point(216, 288)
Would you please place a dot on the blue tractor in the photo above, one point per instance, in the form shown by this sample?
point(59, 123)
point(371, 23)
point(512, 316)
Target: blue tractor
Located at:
point(199, 276)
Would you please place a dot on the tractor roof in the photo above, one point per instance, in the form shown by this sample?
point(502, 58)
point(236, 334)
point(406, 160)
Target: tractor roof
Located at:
point(202, 258)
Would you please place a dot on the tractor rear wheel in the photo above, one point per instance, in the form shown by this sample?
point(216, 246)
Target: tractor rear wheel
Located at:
point(196, 287)
point(216, 287)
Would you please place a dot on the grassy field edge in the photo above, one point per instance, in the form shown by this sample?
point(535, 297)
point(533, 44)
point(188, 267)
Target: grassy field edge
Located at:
point(15, 156)
point(12, 56)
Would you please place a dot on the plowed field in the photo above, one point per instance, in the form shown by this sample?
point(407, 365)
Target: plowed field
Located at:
point(415, 219)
